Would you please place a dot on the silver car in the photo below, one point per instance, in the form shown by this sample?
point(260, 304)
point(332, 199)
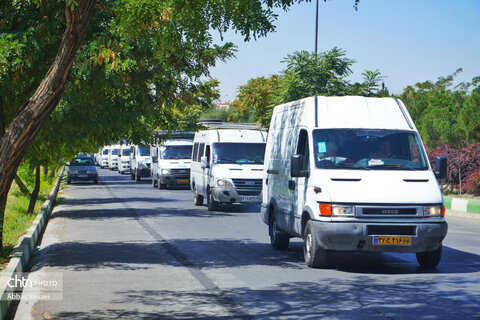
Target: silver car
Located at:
point(83, 169)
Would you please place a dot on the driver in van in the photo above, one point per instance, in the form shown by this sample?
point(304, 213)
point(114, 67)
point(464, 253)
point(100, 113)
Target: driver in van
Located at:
point(382, 150)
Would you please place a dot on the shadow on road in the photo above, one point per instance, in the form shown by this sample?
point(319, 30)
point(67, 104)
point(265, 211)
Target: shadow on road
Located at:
point(226, 253)
point(354, 298)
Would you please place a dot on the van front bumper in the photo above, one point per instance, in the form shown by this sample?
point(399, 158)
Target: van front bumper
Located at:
point(231, 195)
point(354, 236)
point(124, 167)
point(174, 181)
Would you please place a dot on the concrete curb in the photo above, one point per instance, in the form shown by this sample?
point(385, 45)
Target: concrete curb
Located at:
point(462, 205)
point(23, 252)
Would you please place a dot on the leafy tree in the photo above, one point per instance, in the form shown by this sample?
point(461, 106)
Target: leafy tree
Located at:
point(306, 74)
point(130, 59)
point(258, 96)
point(444, 113)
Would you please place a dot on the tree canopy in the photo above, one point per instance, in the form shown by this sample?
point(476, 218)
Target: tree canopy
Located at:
point(117, 69)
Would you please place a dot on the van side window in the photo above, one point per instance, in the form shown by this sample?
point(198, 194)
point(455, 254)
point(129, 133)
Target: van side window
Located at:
point(195, 152)
point(303, 148)
point(200, 151)
point(207, 153)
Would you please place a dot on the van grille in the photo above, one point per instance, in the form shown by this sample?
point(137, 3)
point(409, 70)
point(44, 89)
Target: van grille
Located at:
point(248, 187)
point(181, 173)
point(384, 230)
point(389, 211)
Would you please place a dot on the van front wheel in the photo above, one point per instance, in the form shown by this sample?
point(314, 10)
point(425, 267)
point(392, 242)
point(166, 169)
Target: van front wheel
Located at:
point(429, 259)
point(315, 256)
point(278, 240)
point(212, 205)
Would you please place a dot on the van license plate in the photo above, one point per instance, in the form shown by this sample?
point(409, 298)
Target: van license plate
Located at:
point(250, 199)
point(183, 181)
point(392, 241)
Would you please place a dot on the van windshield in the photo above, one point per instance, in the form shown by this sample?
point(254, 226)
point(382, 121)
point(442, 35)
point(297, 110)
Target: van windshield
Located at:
point(105, 151)
point(177, 152)
point(143, 151)
point(368, 149)
point(240, 153)
point(125, 152)
point(115, 151)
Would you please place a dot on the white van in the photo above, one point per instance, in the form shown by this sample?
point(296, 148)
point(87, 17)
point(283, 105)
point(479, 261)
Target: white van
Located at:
point(171, 161)
point(227, 164)
point(351, 174)
point(103, 157)
point(140, 162)
point(124, 159)
point(113, 153)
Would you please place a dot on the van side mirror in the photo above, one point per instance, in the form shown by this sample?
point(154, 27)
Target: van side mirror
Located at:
point(441, 167)
point(204, 162)
point(296, 167)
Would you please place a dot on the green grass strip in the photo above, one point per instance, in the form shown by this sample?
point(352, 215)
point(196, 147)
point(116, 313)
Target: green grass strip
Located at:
point(473, 206)
point(447, 202)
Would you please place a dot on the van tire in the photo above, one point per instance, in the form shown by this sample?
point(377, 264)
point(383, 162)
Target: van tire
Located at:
point(429, 259)
point(197, 199)
point(278, 239)
point(154, 182)
point(212, 205)
point(315, 256)
point(137, 176)
point(162, 185)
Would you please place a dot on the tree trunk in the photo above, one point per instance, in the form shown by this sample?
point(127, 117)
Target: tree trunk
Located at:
point(36, 189)
point(35, 112)
point(23, 188)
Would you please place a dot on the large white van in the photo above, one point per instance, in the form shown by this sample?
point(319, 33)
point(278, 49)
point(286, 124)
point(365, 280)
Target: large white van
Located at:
point(348, 174)
point(171, 160)
point(140, 162)
point(113, 153)
point(124, 159)
point(227, 164)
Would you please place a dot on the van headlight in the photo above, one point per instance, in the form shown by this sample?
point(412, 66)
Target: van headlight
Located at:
point(166, 172)
point(343, 211)
point(434, 211)
point(224, 183)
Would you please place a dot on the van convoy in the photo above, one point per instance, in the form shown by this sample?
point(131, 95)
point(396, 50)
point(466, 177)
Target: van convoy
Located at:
point(342, 173)
point(227, 164)
point(171, 159)
point(351, 174)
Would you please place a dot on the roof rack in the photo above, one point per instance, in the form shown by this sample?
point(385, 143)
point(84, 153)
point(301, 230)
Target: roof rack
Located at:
point(175, 134)
point(229, 125)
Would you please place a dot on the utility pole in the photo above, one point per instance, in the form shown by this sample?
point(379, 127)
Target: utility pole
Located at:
point(316, 47)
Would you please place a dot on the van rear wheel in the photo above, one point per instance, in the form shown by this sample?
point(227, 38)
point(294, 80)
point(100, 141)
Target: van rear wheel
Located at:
point(429, 259)
point(197, 199)
point(315, 256)
point(278, 240)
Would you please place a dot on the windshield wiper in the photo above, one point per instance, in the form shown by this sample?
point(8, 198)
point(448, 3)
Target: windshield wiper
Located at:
point(342, 166)
point(391, 166)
